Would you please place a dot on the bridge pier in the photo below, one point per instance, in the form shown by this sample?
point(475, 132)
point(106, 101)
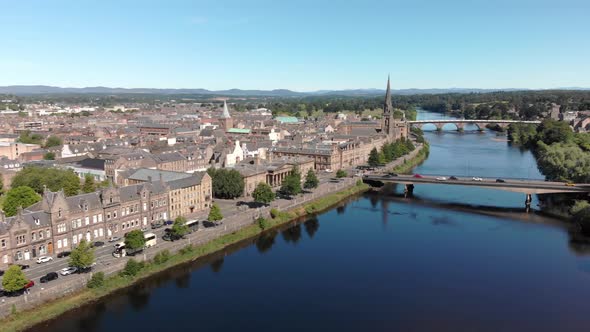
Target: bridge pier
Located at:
point(460, 126)
point(408, 190)
point(481, 126)
point(527, 202)
point(439, 126)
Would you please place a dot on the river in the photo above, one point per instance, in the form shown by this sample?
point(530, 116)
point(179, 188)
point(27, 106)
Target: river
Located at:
point(449, 259)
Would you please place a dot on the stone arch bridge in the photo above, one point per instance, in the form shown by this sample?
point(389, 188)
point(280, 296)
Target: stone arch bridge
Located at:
point(460, 123)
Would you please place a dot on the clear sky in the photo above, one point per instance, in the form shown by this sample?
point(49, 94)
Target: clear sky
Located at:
point(300, 45)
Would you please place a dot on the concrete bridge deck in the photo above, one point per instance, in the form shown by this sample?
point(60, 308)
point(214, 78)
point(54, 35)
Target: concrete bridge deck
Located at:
point(460, 123)
point(514, 185)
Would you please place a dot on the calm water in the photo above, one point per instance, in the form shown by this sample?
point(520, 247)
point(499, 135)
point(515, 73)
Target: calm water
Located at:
point(379, 263)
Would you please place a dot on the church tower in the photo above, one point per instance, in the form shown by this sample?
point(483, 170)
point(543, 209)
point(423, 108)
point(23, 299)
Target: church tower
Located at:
point(226, 121)
point(387, 122)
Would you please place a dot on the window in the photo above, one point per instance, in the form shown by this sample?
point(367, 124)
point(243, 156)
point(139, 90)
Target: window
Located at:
point(33, 236)
point(145, 206)
point(95, 233)
point(109, 216)
point(48, 233)
point(85, 206)
point(19, 255)
point(100, 232)
point(58, 244)
point(79, 222)
point(123, 226)
point(3, 243)
point(65, 243)
point(73, 224)
point(87, 221)
point(5, 259)
point(114, 214)
point(75, 240)
point(59, 213)
point(127, 210)
point(20, 239)
point(100, 218)
point(61, 228)
point(40, 234)
point(94, 218)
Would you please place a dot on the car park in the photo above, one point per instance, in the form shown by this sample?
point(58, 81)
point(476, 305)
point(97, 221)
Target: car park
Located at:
point(64, 254)
point(44, 259)
point(68, 270)
point(49, 277)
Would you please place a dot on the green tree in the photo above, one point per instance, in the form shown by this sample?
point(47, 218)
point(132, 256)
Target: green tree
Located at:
point(28, 138)
point(179, 228)
point(53, 141)
point(1, 184)
point(374, 158)
point(132, 268)
point(214, 213)
point(96, 281)
point(21, 196)
point(341, 173)
point(311, 180)
point(89, 185)
point(134, 240)
point(263, 193)
point(14, 279)
point(82, 255)
point(227, 183)
point(54, 179)
point(292, 183)
point(49, 156)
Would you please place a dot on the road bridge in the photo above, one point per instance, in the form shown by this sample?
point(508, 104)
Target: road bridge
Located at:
point(460, 123)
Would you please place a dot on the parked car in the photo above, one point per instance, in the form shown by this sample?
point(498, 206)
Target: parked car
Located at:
point(157, 225)
point(1, 273)
point(392, 174)
point(49, 277)
point(453, 178)
point(441, 178)
point(68, 270)
point(23, 266)
point(98, 244)
point(171, 237)
point(169, 222)
point(418, 176)
point(30, 284)
point(500, 180)
point(114, 239)
point(64, 254)
point(329, 170)
point(475, 178)
point(44, 259)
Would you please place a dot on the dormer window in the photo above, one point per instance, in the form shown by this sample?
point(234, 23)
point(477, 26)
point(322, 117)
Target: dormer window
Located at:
point(59, 213)
point(37, 222)
point(111, 198)
point(85, 206)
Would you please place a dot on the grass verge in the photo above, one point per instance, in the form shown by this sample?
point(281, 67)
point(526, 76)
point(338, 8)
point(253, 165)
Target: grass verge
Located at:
point(408, 165)
point(20, 321)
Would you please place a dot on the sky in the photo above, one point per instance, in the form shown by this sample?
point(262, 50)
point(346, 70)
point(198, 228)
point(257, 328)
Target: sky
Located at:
point(300, 45)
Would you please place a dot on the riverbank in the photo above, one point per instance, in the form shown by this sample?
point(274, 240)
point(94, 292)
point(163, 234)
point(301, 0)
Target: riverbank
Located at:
point(19, 321)
point(414, 161)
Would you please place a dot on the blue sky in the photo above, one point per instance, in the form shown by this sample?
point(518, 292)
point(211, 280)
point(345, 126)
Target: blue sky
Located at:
point(300, 45)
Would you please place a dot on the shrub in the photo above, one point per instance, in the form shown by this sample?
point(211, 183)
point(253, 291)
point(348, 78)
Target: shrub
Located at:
point(187, 249)
point(263, 223)
point(310, 208)
point(341, 173)
point(162, 257)
point(132, 268)
point(274, 213)
point(96, 281)
point(359, 182)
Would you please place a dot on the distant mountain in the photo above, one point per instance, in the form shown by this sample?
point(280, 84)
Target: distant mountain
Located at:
point(44, 89)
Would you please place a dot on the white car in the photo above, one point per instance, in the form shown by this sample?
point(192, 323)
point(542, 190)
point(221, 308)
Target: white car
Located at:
point(442, 178)
point(329, 170)
point(68, 270)
point(44, 259)
point(477, 179)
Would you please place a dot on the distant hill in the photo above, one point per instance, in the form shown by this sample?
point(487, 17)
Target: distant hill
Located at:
point(51, 90)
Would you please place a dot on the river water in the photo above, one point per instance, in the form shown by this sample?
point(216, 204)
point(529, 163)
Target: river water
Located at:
point(449, 259)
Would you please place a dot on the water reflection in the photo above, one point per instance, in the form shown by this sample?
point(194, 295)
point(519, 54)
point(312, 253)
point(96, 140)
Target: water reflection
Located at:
point(341, 209)
point(139, 296)
point(265, 241)
point(292, 234)
point(217, 264)
point(311, 226)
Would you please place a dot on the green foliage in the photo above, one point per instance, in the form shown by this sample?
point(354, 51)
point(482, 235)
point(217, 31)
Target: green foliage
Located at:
point(374, 158)
point(551, 131)
point(162, 257)
point(53, 141)
point(132, 268)
point(82, 256)
point(578, 206)
point(96, 281)
point(21, 196)
point(359, 182)
point(214, 213)
point(263, 223)
point(54, 178)
point(341, 173)
point(179, 228)
point(311, 180)
point(226, 183)
point(49, 156)
point(292, 183)
point(186, 250)
point(263, 193)
point(134, 240)
point(89, 185)
point(525, 134)
point(563, 161)
point(28, 138)
point(274, 213)
point(14, 279)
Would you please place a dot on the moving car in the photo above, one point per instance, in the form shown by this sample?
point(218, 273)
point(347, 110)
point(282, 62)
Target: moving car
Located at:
point(44, 259)
point(30, 284)
point(23, 266)
point(49, 277)
point(392, 174)
point(116, 238)
point(500, 180)
point(68, 270)
point(442, 178)
point(475, 178)
point(169, 222)
point(418, 176)
point(569, 184)
point(453, 178)
point(98, 244)
point(64, 254)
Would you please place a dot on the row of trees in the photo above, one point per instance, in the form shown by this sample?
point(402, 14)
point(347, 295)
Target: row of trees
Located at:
point(28, 137)
point(390, 152)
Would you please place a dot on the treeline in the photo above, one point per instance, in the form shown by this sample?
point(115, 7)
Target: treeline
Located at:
point(561, 154)
point(390, 151)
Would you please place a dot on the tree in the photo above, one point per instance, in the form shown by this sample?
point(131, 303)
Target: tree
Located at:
point(134, 240)
point(89, 185)
point(82, 255)
point(341, 173)
point(215, 213)
point(292, 183)
point(374, 158)
point(179, 228)
point(226, 183)
point(54, 179)
point(263, 193)
point(16, 197)
point(28, 138)
point(14, 279)
point(311, 180)
point(49, 156)
point(1, 184)
point(53, 141)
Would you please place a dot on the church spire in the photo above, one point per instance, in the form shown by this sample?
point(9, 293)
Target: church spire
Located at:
point(387, 106)
point(225, 111)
